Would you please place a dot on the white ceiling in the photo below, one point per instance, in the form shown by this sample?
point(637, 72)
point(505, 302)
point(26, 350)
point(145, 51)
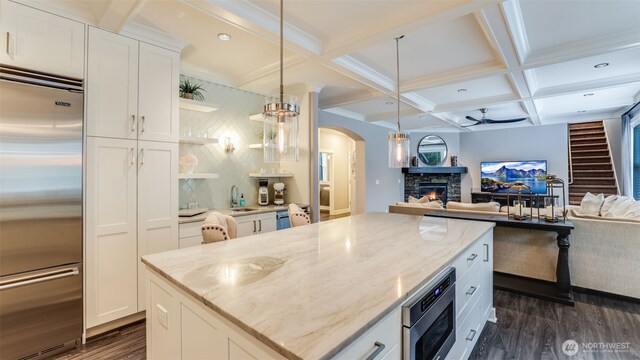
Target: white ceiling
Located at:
point(519, 58)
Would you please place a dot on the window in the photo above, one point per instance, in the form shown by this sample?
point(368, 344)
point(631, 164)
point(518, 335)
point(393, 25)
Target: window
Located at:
point(635, 139)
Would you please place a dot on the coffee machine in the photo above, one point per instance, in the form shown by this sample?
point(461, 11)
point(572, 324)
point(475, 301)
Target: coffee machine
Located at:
point(278, 193)
point(263, 192)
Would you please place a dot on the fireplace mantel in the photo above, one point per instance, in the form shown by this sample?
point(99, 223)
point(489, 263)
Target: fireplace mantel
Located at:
point(435, 170)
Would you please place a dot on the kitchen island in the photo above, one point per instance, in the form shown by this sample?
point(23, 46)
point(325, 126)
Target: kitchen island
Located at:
point(318, 291)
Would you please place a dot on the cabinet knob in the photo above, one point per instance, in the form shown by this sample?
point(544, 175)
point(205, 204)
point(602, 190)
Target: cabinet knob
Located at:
point(472, 290)
point(472, 257)
point(471, 335)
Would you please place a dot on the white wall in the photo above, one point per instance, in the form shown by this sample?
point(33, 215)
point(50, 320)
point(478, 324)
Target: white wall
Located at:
point(341, 146)
point(390, 187)
point(452, 140)
point(547, 142)
point(614, 133)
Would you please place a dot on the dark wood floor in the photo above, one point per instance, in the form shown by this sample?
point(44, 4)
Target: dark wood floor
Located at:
point(324, 216)
point(527, 328)
point(530, 328)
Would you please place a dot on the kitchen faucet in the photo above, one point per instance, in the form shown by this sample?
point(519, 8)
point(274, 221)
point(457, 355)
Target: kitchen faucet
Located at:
point(234, 196)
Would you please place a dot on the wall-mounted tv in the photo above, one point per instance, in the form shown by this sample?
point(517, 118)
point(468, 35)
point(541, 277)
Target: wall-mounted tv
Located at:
point(498, 176)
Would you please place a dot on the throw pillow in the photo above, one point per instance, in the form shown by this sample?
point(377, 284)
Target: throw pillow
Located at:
point(423, 199)
point(591, 204)
point(611, 202)
point(624, 208)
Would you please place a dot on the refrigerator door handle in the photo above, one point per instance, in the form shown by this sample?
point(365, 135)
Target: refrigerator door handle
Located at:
point(32, 279)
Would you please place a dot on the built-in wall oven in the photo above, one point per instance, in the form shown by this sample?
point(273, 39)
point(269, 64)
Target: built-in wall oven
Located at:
point(429, 320)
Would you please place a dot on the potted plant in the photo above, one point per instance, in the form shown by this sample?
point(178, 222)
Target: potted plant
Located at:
point(191, 90)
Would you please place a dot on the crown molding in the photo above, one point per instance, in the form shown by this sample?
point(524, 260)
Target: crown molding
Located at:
point(153, 36)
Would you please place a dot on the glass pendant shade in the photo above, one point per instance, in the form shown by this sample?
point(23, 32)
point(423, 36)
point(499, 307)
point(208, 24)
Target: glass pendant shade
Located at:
point(280, 136)
point(399, 150)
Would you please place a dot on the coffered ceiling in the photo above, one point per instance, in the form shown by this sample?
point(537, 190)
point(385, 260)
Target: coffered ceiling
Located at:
point(518, 58)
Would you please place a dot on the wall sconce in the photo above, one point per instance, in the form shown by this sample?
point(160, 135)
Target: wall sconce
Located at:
point(228, 145)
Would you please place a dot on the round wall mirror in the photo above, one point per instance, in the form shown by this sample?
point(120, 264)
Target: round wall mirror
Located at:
point(432, 150)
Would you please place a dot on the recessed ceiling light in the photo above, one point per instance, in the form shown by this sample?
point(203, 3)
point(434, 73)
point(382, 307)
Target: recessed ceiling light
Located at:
point(601, 65)
point(389, 103)
point(224, 37)
point(462, 90)
point(589, 94)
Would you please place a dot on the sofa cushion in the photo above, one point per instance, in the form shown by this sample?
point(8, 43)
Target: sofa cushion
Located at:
point(611, 202)
point(591, 204)
point(489, 207)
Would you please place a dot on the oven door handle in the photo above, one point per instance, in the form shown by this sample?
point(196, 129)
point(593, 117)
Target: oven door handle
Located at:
point(379, 347)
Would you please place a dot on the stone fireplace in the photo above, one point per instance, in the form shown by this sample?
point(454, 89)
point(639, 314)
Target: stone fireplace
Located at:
point(445, 187)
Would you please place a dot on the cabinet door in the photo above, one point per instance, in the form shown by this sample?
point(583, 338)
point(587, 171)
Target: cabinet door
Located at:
point(158, 94)
point(157, 202)
point(486, 300)
point(112, 85)
point(111, 262)
point(37, 40)
point(246, 225)
point(266, 222)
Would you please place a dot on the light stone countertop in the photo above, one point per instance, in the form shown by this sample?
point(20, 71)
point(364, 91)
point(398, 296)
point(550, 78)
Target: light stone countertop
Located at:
point(307, 292)
point(258, 210)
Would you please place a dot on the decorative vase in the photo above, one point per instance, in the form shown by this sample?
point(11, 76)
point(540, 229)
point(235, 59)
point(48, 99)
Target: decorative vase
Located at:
point(454, 160)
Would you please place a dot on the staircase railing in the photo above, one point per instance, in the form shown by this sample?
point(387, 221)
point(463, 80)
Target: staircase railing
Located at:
point(613, 164)
point(570, 157)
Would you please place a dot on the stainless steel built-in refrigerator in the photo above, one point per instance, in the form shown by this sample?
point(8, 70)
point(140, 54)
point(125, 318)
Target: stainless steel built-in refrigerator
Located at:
point(40, 213)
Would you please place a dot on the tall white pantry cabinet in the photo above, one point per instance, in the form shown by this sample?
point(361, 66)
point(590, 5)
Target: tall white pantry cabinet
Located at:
point(132, 169)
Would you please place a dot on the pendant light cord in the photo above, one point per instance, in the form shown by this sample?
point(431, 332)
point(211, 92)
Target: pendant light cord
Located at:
point(398, 75)
point(281, 51)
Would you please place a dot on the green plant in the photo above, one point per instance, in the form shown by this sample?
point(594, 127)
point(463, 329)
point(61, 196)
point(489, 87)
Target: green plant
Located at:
point(192, 90)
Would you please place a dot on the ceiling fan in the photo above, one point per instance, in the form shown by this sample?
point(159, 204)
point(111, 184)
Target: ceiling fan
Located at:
point(484, 120)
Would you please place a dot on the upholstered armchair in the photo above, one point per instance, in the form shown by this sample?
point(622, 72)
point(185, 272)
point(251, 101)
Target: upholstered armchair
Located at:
point(219, 227)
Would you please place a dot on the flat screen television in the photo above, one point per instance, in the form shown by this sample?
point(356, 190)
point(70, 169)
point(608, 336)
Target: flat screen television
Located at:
point(498, 176)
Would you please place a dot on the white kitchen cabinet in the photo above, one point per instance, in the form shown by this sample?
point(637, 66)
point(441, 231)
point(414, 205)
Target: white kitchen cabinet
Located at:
point(132, 202)
point(41, 41)
point(158, 93)
point(132, 88)
point(112, 85)
point(157, 203)
point(256, 224)
point(190, 234)
point(111, 246)
point(385, 333)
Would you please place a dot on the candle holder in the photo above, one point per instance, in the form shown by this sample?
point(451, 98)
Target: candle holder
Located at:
point(551, 202)
point(519, 204)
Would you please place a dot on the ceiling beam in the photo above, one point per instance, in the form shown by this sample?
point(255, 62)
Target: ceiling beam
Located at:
point(118, 13)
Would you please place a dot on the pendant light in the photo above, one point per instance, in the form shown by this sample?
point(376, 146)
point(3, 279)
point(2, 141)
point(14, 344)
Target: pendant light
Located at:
point(398, 141)
point(280, 136)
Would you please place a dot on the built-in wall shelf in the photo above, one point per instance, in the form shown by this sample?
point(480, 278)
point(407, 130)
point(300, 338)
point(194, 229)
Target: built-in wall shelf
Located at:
point(255, 146)
point(270, 175)
point(198, 176)
point(435, 170)
point(194, 105)
point(256, 117)
point(197, 140)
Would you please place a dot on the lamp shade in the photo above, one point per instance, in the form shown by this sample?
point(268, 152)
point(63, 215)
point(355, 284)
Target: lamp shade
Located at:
point(399, 150)
point(280, 136)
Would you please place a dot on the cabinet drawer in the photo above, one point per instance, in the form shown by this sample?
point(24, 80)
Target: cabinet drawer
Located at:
point(190, 241)
point(468, 258)
point(468, 289)
point(190, 229)
point(468, 333)
point(385, 331)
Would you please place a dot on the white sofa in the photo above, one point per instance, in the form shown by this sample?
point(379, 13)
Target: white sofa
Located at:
point(604, 253)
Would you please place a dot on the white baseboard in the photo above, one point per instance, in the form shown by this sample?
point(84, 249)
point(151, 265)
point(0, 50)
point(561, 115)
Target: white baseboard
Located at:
point(325, 207)
point(341, 211)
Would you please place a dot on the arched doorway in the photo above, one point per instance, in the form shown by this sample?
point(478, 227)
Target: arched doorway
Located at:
point(341, 173)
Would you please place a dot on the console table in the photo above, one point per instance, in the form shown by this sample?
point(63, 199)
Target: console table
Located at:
point(501, 198)
point(560, 291)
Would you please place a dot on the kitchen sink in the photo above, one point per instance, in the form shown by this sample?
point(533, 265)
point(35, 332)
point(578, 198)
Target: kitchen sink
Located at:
point(242, 209)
